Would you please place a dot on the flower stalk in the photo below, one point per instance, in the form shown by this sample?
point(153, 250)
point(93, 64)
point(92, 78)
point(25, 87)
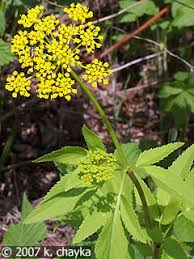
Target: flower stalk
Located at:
point(114, 138)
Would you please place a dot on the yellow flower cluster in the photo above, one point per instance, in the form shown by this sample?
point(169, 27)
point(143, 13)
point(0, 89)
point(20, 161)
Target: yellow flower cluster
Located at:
point(78, 13)
point(97, 72)
point(98, 166)
point(56, 85)
point(18, 83)
point(48, 50)
point(32, 16)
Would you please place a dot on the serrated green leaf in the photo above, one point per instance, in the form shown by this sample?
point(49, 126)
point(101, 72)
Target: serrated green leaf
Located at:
point(182, 165)
point(5, 53)
point(65, 155)
point(66, 183)
point(131, 222)
point(184, 229)
point(92, 140)
point(112, 242)
point(90, 225)
point(22, 234)
point(171, 183)
point(157, 154)
point(174, 249)
point(58, 205)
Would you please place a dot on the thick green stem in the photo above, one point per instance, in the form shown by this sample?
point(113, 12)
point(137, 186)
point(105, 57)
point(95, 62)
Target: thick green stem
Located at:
point(148, 221)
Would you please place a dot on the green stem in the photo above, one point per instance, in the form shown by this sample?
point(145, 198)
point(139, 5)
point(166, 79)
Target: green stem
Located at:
point(102, 114)
point(134, 179)
point(148, 221)
point(156, 253)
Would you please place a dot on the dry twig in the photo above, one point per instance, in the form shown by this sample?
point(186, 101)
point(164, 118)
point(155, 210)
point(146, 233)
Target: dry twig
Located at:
point(133, 62)
point(191, 67)
point(134, 33)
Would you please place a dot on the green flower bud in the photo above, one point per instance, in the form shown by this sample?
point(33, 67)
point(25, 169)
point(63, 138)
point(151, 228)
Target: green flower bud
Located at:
point(98, 166)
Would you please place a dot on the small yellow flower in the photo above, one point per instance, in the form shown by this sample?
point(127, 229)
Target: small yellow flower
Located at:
point(97, 72)
point(78, 12)
point(32, 16)
point(98, 166)
point(18, 84)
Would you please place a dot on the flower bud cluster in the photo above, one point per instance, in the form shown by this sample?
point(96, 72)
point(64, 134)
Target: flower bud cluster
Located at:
point(98, 166)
